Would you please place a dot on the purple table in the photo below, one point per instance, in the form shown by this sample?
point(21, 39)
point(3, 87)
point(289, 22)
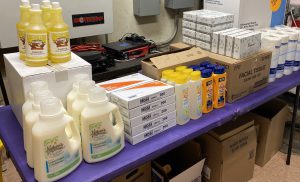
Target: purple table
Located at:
point(133, 156)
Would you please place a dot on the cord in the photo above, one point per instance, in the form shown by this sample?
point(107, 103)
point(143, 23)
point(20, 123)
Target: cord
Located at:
point(87, 47)
point(293, 18)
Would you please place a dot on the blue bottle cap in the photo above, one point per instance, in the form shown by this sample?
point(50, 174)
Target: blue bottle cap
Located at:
point(211, 66)
point(219, 70)
point(194, 67)
point(200, 69)
point(203, 64)
point(206, 73)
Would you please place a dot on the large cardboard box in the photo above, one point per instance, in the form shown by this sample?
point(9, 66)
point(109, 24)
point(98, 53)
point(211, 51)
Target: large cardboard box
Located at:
point(251, 14)
point(58, 76)
point(244, 76)
point(270, 118)
point(153, 66)
point(184, 163)
point(142, 174)
point(230, 151)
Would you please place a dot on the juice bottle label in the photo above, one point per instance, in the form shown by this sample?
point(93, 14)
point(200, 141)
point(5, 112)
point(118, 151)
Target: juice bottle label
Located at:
point(221, 91)
point(21, 37)
point(101, 143)
point(59, 43)
point(36, 45)
point(209, 103)
point(58, 160)
point(185, 104)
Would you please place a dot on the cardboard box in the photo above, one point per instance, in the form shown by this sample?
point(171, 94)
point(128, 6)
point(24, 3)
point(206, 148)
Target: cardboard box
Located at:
point(189, 33)
point(150, 133)
point(246, 45)
point(230, 151)
point(223, 38)
point(244, 76)
point(183, 164)
point(142, 94)
point(203, 36)
point(153, 66)
point(203, 45)
point(189, 25)
point(179, 46)
point(58, 76)
point(132, 131)
point(133, 122)
point(216, 38)
point(142, 173)
point(132, 113)
point(270, 118)
point(210, 29)
point(230, 42)
point(188, 40)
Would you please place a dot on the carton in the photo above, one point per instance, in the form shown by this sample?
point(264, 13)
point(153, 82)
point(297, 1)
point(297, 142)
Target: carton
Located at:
point(189, 33)
point(216, 38)
point(189, 25)
point(132, 131)
point(149, 116)
point(142, 94)
point(223, 38)
point(188, 40)
point(210, 29)
point(141, 173)
point(270, 118)
point(230, 151)
point(230, 42)
point(146, 108)
point(58, 76)
point(203, 45)
point(190, 16)
point(179, 46)
point(150, 133)
point(184, 163)
point(246, 44)
point(153, 66)
point(203, 37)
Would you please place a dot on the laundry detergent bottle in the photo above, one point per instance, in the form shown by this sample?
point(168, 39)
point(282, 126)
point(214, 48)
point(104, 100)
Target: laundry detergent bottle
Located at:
point(182, 100)
point(30, 119)
point(55, 153)
point(81, 100)
point(220, 79)
point(22, 25)
point(207, 91)
point(102, 128)
point(73, 94)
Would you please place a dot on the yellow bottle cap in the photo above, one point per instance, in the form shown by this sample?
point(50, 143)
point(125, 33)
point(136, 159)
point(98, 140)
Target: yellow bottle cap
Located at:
point(172, 77)
point(181, 79)
point(180, 68)
point(166, 73)
point(195, 75)
point(187, 72)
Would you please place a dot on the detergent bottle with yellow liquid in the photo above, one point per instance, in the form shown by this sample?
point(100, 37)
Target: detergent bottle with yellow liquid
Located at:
point(59, 36)
point(46, 13)
point(207, 91)
point(182, 100)
point(220, 79)
point(21, 27)
point(36, 42)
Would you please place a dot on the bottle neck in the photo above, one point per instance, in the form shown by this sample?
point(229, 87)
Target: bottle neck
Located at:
point(25, 14)
point(83, 96)
point(56, 15)
point(36, 18)
point(99, 103)
point(46, 14)
point(56, 117)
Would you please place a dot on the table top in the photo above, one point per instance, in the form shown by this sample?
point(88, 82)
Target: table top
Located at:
point(133, 156)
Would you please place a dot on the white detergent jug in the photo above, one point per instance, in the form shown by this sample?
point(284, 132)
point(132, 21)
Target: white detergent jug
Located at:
point(102, 128)
point(33, 88)
point(55, 154)
point(30, 119)
point(81, 100)
point(73, 94)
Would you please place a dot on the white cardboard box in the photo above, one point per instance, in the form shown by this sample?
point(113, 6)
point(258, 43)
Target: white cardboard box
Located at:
point(142, 94)
point(246, 44)
point(216, 38)
point(230, 42)
point(203, 45)
point(189, 33)
point(133, 122)
point(150, 124)
point(58, 76)
point(189, 25)
point(146, 108)
point(222, 40)
point(210, 29)
point(203, 37)
point(150, 133)
point(188, 40)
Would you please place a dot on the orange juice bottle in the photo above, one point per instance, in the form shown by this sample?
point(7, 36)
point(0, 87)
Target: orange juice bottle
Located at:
point(46, 13)
point(220, 78)
point(207, 91)
point(22, 25)
point(59, 36)
point(36, 39)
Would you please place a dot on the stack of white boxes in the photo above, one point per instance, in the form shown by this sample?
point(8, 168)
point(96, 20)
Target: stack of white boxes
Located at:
point(147, 109)
point(199, 25)
point(236, 43)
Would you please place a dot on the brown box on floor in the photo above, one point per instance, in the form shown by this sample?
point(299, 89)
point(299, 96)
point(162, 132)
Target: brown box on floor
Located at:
point(270, 118)
point(230, 151)
point(179, 46)
point(153, 66)
point(142, 173)
point(181, 164)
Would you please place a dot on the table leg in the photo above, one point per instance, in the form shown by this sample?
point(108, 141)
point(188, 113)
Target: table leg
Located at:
point(4, 94)
point(290, 147)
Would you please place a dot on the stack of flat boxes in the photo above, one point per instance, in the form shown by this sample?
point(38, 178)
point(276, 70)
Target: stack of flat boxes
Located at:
point(236, 43)
point(147, 109)
point(199, 25)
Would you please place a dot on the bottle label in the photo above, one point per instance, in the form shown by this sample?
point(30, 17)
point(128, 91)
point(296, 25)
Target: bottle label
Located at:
point(101, 144)
point(185, 103)
point(58, 159)
point(21, 37)
point(36, 45)
point(59, 43)
point(209, 103)
point(221, 91)
point(199, 99)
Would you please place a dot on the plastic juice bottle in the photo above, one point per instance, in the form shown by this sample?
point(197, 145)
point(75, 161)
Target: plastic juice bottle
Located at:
point(73, 94)
point(102, 127)
point(182, 100)
point(21, 27)
point(172, 77)
point(180, 68)
point(46, 13)
point(165, 74)
point(36, 39)
point(59, 36)
point(30, 119)
point(55, 153)
point(81, 100)
point(195, 95)
point(207, 91)
point(220, 79)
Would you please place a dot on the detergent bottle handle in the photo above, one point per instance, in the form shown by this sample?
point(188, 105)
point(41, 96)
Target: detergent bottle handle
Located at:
point(118, 117)
point(75, 136)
